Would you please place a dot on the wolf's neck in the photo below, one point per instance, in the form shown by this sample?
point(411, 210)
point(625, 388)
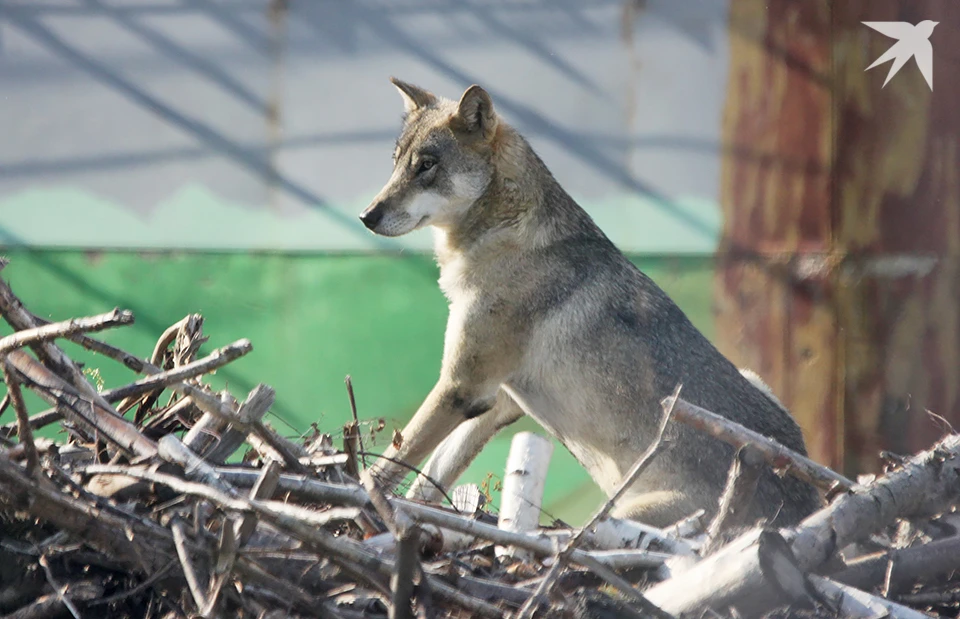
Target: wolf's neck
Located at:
point(523, 208)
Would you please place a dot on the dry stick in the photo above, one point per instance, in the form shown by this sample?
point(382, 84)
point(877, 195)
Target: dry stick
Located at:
point(774, 453)
point(57, 588)
point(211, 404)
point(23, 418)
point(208, 403)
point(145, 547)
point(35, 422)
point(192, 322)
point(178, 528)
point(401, 581)
point(289, 591)
point(737, 496)
point(623, 585)
point(852, 603)
point(451, 594)
point(924, 485)
point(320, 491)
point(622, 533)
point(910, 565)
point(200, 437)
point(264, 489)
point(190, 329)
point(690, 526)
point(356, 420)
point(408, 545)
point(930, 598)
point(547, 584)
point(45, 333)
point(158, 378)
point(173, 450)
point(481, 587)
point(351, 436)
point(148, 548)
point(302, 525)
point(299, 522)
point(753, 573)
point(88, 411)
point(49, 353)
point(214, 360)
point(147, 582)
point(236, 530)
point(418, 472)
point(540, 544)
point(182, 408)
point(82, 593)
point(132, 362)
point(393, 519)
point(625, 559)
point(300, 486)
point(48, 606)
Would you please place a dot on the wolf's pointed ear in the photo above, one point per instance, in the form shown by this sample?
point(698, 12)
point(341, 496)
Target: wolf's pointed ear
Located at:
point(414, 97)
point(475, 112)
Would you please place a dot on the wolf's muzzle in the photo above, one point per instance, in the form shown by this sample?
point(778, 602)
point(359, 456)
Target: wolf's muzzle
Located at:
point(372, 216)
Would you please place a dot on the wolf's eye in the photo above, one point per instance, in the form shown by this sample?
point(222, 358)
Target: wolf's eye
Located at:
point(425, 165)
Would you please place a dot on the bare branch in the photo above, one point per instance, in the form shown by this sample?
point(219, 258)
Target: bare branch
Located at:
point(49, 353)
point(773, 452)
point(216, 359)
point(924, 485)
point(737, 496)
point(210, 404)
point(855, 604)
point(88, 411)
point(178, 528)
point(356, 420)
point(45, 333)
point(23, 417)
point(909, 566)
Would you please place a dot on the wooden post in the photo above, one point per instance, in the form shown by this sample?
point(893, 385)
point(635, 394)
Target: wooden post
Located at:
point(838, 277)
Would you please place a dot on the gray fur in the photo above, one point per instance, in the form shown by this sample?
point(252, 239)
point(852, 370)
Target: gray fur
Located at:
point(549, 318)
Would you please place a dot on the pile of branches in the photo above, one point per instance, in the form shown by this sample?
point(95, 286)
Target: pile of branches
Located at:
point(169, 499)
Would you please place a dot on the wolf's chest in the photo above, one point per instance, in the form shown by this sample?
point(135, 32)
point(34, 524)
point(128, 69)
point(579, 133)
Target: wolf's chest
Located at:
point(453, 281)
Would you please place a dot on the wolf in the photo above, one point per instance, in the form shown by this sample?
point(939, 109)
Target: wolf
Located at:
point(547, 318)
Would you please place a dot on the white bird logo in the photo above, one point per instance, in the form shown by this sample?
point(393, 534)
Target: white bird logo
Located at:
point(913, 41)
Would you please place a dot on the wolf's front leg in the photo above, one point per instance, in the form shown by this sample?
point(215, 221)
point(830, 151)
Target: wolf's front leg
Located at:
point(446, 407)
point(479, 354)
point(461, 447)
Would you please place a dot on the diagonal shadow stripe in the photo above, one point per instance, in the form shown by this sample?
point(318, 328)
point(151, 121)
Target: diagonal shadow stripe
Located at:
point(246, 158)
point(531, 119)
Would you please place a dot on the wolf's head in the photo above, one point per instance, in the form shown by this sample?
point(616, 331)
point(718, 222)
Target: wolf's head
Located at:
point(441, 165)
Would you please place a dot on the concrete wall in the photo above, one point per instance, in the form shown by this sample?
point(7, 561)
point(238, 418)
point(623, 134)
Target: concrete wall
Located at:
point(271, 128)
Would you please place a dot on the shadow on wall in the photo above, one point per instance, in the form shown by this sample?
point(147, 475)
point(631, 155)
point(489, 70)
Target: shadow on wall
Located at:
point(327, 32)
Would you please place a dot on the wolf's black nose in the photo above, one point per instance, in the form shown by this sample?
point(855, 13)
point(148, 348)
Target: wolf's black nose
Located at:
point(372, 216)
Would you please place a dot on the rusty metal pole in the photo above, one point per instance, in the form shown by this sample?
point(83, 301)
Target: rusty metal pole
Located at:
point(838, 277)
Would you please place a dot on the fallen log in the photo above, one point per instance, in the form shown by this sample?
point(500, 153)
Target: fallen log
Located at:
point(753, 574)
point(901, 567)
point(924, 485)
